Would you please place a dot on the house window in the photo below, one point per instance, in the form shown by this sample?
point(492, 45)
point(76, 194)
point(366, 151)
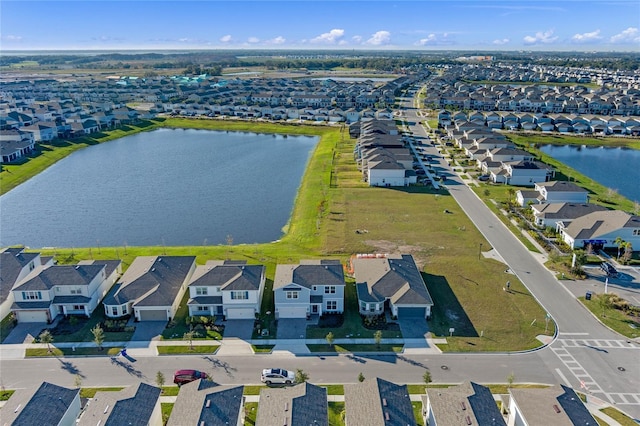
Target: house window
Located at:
point(315, 288)
point(114, 310)
point(78, 307)
point(203, 308)
point(32, 295)
point(291, 294)
point(636, 232)
point(330, 289)
point(332, 305)
point(201, 291)
point(239, 295)
point(76, 291)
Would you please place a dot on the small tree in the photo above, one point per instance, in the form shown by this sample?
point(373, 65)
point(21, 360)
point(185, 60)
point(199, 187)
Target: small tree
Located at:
point(605, 302)
point(301, 376)
point(628, 252)
point(189, 335)
point(77, 381)
point(426, 377)
point(98, 336)
point(330, 339)
point(620, 243)
point(361, 377)
point(47, 338)
point(377, 336)
point(159, 379)
point(510, 378)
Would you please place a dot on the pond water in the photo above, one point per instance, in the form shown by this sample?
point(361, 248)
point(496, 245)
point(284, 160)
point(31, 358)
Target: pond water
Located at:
point(166, 187)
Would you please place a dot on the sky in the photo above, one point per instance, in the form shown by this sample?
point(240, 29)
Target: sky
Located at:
point(533, 25)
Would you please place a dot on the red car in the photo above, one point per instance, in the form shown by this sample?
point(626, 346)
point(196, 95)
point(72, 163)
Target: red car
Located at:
point(181, 377)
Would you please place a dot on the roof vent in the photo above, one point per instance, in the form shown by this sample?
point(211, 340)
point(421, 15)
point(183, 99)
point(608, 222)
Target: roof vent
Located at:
point(208, 403)
point(286, 406)
point(153, 269)
point(464, 407)
point(202, 423)
point(384, 402)
point(105, 410)
point(77, 266)
point(555, 407)
point(17, 408)
point(468, 419)
point(386, 415)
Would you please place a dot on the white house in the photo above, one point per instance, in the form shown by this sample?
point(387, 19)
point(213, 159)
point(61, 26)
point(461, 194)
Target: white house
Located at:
point(561, 192)
point(231, 289)
point(46, 404)
point(548, 214)
point(600, 230)
point(313, 287)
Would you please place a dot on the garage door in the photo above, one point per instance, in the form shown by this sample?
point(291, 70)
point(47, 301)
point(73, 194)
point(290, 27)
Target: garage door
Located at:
point(32, 316)
point(292, 312)
point(153, 315)
point(411, 312)
point(240, 313)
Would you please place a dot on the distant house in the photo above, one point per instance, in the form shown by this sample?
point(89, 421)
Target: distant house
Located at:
point(203, 402)
point(561, 192)
point(231, 289)
point(303, 404)
point(377, 402)
point(600, 230)
point(151, 289)
point(138, 404)
point(557, 405)
point(64, 290)
point(47, 404)
point(313, 287)
point(393, 283)
point(465, 404)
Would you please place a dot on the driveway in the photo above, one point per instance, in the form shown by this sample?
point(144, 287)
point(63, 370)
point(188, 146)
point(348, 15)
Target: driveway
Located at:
point(413, 328)
point(238, 328)
point(25, 333)
point(148, 330)
point(292, 328)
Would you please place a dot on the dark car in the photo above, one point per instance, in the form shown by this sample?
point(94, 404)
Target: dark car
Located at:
point(181, 377)
point(609, 269)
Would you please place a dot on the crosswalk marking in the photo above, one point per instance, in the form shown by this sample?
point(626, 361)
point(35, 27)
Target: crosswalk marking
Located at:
point(601, 344)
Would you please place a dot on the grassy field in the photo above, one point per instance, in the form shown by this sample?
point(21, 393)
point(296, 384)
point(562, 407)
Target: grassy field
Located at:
point(333, 203)
point(58, 352)
point(186, 350)
point(618, 416)
point(614, 318)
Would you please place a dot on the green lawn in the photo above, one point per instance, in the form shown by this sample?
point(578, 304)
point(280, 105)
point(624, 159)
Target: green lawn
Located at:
point(6, 325)
point(253, 390)
point(6, 394)
point(417, 412)
point(186, 350)
point(614, 318)
point(251, 412)
point(167, 408)
point(78, 329)
point(355, 348)
point(91, 392)
point(262, 349)
point(618, 416)
point(39, 352)
point(336, 413)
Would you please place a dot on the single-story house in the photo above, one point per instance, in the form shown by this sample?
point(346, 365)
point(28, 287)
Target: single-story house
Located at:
point(204, 402)
point(151, 288)
point(231, 289)
point(313, 287)
point(138, 404)
point(391, 283)
point(47, 404)
point(377, 402)
point(466, 404)
point(303, 404)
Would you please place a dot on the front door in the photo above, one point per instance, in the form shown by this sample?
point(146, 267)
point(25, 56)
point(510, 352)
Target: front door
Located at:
point(314, 309)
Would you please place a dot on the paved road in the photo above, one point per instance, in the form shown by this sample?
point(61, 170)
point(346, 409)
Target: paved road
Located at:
point(585, 350)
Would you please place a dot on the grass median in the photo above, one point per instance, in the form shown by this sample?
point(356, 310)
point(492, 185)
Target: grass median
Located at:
point(187, 350)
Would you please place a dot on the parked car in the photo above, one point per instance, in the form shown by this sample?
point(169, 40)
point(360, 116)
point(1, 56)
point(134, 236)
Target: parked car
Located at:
point(277, 375)
point(609, 269)
point(483, 178)
point(181, 377)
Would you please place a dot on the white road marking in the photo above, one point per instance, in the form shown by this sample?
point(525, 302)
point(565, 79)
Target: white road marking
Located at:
point(562, 376)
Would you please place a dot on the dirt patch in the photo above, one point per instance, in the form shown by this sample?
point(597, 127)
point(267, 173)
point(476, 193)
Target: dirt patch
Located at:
point(397, 248)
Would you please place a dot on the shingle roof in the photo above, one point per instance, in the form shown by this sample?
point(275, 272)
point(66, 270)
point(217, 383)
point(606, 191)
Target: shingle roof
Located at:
point(62, 275)
point(468, 403)
point(205, 401)
point(378, 402)
point(309, 273)
point(561, 186)
point(131, 406)
point(558, 405)
point(596, 224)
point(12, 262)
point(303, 404)
point(228, 276)
point(45, 404)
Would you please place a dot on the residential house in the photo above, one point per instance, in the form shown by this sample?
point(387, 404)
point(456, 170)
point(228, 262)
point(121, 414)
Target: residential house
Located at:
point(561, 192)
point(47, 404)
point(303, 404)
point(466, 404)
point(377, 402)
point(231, 289)
point(203, 402)
point(151, 288)
point(558, 405)
point(63, 290)
point(600, 230)
point(15, 148)
point(135, 405)
point(522, 173)
point(312, 287)
point(393, 283)
point(546, 215)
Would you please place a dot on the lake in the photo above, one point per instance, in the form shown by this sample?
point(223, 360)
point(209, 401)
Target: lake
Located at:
point(617, 168)
point(165, 187)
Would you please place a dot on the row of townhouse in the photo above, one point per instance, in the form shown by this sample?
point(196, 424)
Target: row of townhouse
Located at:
point(563, 123)
point(37, 290)
point(373, 401)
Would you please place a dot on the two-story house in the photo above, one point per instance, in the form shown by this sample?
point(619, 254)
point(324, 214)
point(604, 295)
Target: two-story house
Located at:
point(231, 289)
point(313, 287)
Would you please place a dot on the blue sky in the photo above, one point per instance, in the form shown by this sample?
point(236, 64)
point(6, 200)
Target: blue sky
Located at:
point(541, 25)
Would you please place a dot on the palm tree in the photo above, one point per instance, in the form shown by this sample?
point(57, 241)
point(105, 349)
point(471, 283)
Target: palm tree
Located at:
point(620, 243)
point(46, 337)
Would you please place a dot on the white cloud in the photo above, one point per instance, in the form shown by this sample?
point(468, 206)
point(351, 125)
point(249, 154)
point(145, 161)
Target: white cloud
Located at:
point(430, 39)
point(253, 40)
point(501, 42)
point(587, 37)
point(630, 35)
point(11, 37)
point(357, 39)
point(332, 37)
point(435, 40)
point(276, 40)
point(225, 38)
point(541, 38)
point(379, 38)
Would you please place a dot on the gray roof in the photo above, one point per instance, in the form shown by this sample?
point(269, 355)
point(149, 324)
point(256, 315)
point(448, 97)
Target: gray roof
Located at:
point(377, 402)
point(61, 275)
point(228, 276)
point(394, 278)
point(205, 401)
point(130, 406)
point(558, 405)
point(561, 186)
point(565, 210)
point(597, 224)
point(42, 405)
point(309, 273)
point(12, 262)
point(152, 281)
point(468, 403)
point(303, 404)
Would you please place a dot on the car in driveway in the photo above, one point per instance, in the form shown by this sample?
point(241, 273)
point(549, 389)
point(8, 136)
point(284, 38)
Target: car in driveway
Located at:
point(277, 375)
point(609, 269)
point(182, 377)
